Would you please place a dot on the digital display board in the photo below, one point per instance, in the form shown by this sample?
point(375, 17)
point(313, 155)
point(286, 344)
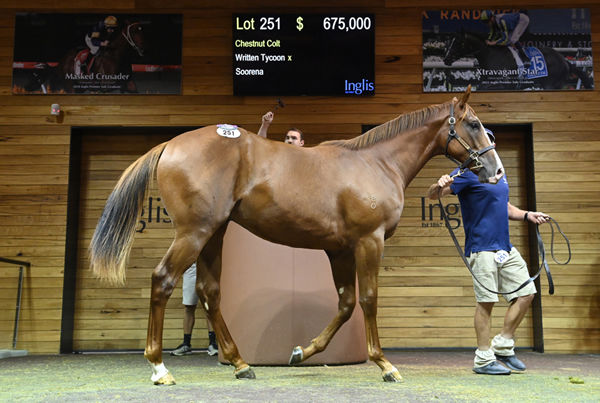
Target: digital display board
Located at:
point(304, 54)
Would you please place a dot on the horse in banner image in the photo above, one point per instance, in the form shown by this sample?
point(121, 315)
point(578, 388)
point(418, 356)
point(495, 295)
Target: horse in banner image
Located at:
point(555, 69)
point(110, 68)
point(347, 199)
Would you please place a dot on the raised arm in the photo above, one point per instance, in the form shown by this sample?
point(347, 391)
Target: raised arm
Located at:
point(266, 122)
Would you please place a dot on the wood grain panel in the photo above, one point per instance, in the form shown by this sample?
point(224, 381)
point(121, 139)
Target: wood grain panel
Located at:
point(108, 318)
point(420, 260)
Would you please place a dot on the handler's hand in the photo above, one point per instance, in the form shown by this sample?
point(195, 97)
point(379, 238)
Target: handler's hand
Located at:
point(267, 117)
point(537, 217)
point(444, 181)
point(491, 42)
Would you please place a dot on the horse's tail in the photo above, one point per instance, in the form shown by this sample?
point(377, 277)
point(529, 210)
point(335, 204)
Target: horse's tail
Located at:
point(586, 80)
point(113, 237)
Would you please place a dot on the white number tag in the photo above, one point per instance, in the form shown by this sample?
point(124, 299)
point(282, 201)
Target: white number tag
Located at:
point(501, 256)
point(229, 131)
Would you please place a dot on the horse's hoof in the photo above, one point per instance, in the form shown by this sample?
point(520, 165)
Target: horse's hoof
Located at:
point(165, 380)
point(297, 356)
point(245, 373)
point(392, 376)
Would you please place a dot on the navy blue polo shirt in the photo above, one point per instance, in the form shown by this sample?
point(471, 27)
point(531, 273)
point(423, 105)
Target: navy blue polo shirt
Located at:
point(484, 209)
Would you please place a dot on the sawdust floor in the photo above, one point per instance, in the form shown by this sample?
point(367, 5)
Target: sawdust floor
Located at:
point(428, 376)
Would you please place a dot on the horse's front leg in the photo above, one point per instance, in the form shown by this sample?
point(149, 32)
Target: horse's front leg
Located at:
point(208, 277)
point(164, 278)
point(368, 256)
point(344, 277)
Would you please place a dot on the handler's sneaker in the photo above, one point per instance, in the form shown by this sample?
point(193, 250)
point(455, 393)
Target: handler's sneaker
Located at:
point(182, 349)
point(493, 368)
point(512, 362)
point(212, 350)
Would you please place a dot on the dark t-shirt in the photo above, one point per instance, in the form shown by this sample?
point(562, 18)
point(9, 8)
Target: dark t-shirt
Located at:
point(484, 209)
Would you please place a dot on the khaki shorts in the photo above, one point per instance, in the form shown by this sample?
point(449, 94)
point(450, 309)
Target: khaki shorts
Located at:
point(189, 286)
point(500, 277)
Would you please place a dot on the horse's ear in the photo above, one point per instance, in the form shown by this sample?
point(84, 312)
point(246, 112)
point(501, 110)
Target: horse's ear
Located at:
point(465, 97)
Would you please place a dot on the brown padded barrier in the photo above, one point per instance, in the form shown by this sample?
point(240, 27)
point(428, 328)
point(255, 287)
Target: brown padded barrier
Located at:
point(274, 298)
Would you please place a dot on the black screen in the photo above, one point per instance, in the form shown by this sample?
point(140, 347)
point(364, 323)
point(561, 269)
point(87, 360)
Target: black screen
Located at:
point(304, 54)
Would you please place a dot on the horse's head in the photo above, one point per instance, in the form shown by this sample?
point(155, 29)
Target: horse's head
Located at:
point(468, 144)
point(461, 45)
point(133, 32)
point(452, 51)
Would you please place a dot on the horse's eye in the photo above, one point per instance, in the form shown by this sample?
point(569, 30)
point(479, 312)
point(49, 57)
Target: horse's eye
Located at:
point(474, 125)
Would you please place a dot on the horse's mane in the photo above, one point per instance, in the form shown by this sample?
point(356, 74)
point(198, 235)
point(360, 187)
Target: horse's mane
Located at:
point(390, 129)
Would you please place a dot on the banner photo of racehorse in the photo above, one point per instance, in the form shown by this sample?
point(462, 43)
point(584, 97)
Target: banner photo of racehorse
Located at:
point(97, 54)
point(507, 50)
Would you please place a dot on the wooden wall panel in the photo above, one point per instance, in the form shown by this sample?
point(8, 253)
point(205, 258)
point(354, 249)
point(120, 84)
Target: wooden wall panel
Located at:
point(420, 284)
point(33, 202)
point(420, 261)
point(109, 318)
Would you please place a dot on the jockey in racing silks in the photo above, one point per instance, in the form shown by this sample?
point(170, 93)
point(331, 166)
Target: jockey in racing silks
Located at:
point(98, 37)
point(506, 30)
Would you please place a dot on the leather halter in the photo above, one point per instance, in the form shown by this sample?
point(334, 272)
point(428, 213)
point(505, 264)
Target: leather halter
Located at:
point(129, 38)
point(473, 154)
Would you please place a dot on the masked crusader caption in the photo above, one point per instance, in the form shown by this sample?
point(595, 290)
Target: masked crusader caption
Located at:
point(97, 53)
point(304, 54)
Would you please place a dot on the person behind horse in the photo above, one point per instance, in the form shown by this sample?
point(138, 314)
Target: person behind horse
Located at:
point(497, 264)
point(293, 136)
point(190, 298)
point(190, 301)
point(97, 38)
point(506, 30)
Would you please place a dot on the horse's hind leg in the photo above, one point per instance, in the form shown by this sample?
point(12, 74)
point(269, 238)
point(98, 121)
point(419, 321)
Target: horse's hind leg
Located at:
point(208, 276)
point(182, 253)
point(344, 277)
point(368, 255)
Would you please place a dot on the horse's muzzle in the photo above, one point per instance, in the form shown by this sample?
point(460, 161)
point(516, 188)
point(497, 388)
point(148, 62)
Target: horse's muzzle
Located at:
point(496, 178)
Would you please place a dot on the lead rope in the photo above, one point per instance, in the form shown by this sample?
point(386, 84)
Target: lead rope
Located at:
point(541, 250)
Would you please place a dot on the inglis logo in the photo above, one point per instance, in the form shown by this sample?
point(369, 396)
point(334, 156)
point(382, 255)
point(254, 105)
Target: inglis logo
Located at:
point(359, 87)
point(154, 211)
point(429, 214)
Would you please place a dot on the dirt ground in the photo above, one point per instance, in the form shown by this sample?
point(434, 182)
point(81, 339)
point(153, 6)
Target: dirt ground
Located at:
point(444, 376)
